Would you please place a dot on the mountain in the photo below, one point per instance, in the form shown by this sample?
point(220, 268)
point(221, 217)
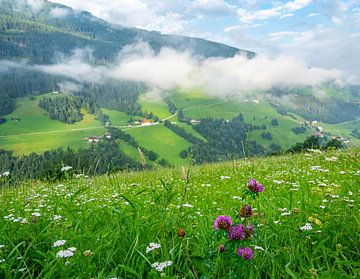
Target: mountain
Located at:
point(38, 115)
point(56, 28)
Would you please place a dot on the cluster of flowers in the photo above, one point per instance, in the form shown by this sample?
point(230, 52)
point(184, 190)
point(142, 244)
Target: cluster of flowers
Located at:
point(69, 252)
point(240, 231)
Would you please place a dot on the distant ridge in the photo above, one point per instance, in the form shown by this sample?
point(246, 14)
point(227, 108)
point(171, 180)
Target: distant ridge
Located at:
point(40, 36)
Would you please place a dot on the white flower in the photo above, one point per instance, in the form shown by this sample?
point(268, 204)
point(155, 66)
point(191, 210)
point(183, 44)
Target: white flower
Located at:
point(185, 205)
point(7, 173)
point(152, 246)
point(2, 246)
point(66, 168)
point(72, 249)
point(59, 243)
point(160, 266)
point(285, 214)
point(224, 177)
point(258, 248)
point(306, 227)
point(331, 159)
point(36, 214)
point(57, 217)
point(64, 254)
point(2, 260)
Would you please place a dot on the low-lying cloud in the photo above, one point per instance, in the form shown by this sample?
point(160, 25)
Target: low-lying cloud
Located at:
point(169, 69)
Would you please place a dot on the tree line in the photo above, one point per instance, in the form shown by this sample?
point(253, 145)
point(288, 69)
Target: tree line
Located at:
point(101, 158)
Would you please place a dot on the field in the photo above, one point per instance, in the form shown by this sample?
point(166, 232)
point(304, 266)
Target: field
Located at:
point(161, 140)
point(36, 132)
point(197, 105)
point(305, 222)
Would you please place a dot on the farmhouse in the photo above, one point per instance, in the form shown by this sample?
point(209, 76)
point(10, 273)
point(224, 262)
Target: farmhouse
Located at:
point(107, 135)
point(146, 122)
point(93, 139)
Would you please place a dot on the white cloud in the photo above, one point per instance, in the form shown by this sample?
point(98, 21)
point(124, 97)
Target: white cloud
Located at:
point(277, 11)
point(323, 47)
point(287, 15)
point(297, 5)
point(170, 69)
point(59, 12)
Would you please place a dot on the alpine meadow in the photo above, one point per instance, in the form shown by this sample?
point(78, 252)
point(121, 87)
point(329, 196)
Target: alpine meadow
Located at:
point(179, 139)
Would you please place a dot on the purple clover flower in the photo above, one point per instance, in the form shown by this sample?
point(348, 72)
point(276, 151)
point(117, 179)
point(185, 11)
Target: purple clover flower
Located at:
point(254, 186)
point(249, 230)
point(237, 232)
point(223, 223)
point(246, 211)
point(222, 248)
point(246, 253)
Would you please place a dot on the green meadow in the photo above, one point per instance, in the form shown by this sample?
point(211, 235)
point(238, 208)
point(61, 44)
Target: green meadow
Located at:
point(36, 132)
point(158, 108)
point(160, 224)
point(161, 140)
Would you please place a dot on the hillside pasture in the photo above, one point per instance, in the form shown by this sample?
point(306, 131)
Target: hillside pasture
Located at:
point(36, 132)
point(124, 225)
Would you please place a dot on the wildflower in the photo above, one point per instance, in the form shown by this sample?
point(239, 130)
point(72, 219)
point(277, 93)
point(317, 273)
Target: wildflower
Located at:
point(181, 232)
point(7, 173)
point(222, 223)
point(237, 232)
point(64, 254)
point(245, 253)
point(2, 261)
point(36, 214)
point(224, 177)
point(306, 227)
point(72, 249)
point(152, 246)
point(246, 211)
point(2, 246)
point(258, 248)
point(160, 266)
point(313, 272)
point(221, 248)
point(185, 205)
point(249, 230)
point(57, 217)
point(66, 168)
point(59, 243)
point(254, 186)
point(88, 253)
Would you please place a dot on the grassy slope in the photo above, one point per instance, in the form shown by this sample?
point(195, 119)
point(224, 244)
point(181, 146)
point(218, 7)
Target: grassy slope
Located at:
point(196, 105)
point(93, 216)
point(36, 132)
point(117, 118)
point(158, 108)
point(162, 141)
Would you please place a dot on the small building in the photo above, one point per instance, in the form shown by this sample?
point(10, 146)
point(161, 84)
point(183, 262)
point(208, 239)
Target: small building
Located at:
point(146, 122)
point(137, 122)
point(319, 129)
point(93, 139)
point(107, 135)
point(193, 121)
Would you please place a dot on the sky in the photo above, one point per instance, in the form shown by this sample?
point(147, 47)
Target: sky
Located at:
point(323, 33)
